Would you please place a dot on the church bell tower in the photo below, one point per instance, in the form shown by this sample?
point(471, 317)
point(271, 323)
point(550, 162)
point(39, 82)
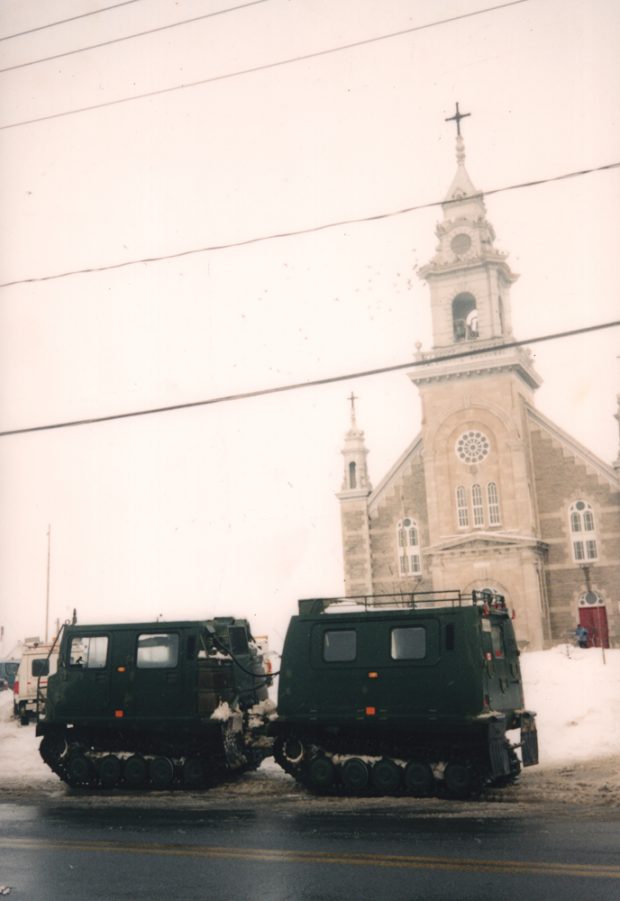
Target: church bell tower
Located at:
point(475, 387)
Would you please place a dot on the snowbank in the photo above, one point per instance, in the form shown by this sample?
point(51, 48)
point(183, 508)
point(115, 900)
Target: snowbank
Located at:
point(576, 695)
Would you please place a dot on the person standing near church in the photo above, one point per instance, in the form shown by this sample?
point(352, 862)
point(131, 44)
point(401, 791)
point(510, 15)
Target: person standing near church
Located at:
point(581, 634)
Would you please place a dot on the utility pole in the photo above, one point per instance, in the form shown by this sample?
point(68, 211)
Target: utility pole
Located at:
point(47, 592)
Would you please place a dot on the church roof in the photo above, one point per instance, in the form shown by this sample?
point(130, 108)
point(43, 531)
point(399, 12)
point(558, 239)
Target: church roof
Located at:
point(587, 457)
point(414, 449)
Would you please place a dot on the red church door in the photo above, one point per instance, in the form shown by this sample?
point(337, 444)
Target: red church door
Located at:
point(595, 621)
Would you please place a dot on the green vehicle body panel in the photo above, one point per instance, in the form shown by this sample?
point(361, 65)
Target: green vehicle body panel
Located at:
point(469, 670)
point(116, 688)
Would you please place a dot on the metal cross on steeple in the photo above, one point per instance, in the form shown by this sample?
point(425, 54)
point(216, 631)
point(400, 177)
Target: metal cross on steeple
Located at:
point(457, 118)
point(352, 398)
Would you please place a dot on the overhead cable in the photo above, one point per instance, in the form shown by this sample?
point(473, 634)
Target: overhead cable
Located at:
point(312, 383)
point(244, 242)
point(94, 12)
point(130, 37)
point(260, 68)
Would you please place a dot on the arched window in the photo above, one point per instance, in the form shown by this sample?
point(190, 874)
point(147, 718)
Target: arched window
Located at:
point(408, 542)
point(462, 510)
point(477, 505)
point(464, 317)
point(583, 532)
point(352, 476)
point(493, 501)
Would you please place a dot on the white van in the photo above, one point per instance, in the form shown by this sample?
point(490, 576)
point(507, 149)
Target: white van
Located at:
point(27, 683)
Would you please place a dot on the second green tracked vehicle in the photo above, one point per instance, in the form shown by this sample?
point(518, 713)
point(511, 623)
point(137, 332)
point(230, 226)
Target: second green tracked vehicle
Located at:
point(396, 693)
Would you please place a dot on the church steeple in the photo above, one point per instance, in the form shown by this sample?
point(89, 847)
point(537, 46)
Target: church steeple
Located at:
point(355, 482)
point(353, 496)
point(469, 278)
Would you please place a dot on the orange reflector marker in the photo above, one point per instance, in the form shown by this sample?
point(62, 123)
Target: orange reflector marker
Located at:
point(119, 714)
point(370, 711)
point(373, 675)
point(120, 669)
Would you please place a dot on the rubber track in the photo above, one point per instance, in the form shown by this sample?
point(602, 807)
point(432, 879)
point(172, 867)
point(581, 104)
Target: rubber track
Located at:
point(215, 769)
point(301, 773)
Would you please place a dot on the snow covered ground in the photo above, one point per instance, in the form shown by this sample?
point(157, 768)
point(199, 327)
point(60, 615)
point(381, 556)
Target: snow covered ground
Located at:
point(575, 693)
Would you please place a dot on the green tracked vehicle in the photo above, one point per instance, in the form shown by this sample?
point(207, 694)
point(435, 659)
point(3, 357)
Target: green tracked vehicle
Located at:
point(154, 705)
point(402, 694)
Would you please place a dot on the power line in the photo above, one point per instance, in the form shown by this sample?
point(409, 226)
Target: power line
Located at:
point(304, 231)
point(130, 37)
point(260, 68)
point(94, 12)
point(263, 392)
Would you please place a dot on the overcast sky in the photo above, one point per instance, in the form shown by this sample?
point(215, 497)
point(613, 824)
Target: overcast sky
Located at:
point(232, 507)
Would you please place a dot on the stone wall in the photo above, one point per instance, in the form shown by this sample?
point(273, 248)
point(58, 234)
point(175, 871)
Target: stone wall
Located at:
point(561, 478)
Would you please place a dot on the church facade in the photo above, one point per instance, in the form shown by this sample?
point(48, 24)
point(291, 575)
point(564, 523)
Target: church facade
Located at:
point(490, 493)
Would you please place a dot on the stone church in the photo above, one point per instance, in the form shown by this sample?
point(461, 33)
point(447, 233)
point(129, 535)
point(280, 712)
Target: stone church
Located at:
point(490, 493)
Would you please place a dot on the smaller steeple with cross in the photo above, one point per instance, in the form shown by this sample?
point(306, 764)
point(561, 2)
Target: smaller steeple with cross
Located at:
point(352, 398)
point(355, 453)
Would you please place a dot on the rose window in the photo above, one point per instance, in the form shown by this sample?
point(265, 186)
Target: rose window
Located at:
point(472, 447)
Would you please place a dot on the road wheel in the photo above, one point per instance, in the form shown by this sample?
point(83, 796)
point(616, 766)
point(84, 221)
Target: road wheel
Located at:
point(53, 748)
point(386, 777)
point(322, 774)
point(461, 779)
point(110, 770)
point(135, 771)
point(193, 773)
point(293, 750)
point(79, 770)
point(161, 772)
point(419, 779)
point(355, 775)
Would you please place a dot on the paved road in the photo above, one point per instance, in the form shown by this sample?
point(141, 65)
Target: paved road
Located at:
point(50, 853)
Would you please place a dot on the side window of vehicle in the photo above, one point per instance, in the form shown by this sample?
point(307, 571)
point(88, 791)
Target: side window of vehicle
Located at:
point(238, 639)
point(88, 651)
point(339, 645)
point(157, 651)
point(408, 643)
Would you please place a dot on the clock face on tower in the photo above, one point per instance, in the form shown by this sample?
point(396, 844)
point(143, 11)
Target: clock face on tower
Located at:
point(460, 243)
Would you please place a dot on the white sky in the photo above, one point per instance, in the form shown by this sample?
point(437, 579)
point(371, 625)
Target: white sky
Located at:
point(232, 508)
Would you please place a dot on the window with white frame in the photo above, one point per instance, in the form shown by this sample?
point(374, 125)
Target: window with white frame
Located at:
point(583, 532)
point(408, 542)
point(493, 501)
point(462, 507)
point(477, 505)
point(470, 505)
